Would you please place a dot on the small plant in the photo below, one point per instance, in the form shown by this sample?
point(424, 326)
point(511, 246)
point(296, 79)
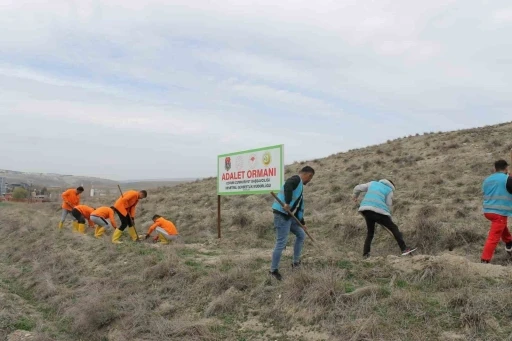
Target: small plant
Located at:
point(24, 323)
point(242, 219)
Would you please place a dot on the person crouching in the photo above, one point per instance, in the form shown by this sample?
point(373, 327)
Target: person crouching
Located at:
point(165, 229)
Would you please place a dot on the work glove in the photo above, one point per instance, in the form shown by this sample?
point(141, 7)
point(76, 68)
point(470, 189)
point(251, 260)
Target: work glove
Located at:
point(147, 236)
point(302, 221)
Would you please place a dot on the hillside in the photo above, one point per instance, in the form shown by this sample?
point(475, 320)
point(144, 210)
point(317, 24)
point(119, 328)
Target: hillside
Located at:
point(54, 180)
point(66, 181)
point(153, 184)
point(63, 286)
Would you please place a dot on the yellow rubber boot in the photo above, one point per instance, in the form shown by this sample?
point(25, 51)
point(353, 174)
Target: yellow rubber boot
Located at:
point(61, 224)
point(162, 239)
point(75, 226)
point(81, 228)
point(132, 233)
point(116, 235)
point(99, 231)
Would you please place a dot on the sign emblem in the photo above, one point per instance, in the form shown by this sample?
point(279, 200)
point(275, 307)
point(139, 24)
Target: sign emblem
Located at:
point(252, 161)
point(267, 158)
point(227, 163)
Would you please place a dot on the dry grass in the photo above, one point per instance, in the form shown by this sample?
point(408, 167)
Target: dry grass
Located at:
point(63, 286)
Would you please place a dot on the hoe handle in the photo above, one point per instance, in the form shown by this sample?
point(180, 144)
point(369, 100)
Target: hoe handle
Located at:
point(294, 217)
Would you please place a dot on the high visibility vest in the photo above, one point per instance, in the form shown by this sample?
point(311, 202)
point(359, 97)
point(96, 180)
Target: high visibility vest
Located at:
point(496, 197)
point(297, 203)
point(376, 196)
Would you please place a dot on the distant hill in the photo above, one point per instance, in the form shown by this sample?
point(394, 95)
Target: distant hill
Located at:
point(151, 184)
point(53, 180)
point(50, 180)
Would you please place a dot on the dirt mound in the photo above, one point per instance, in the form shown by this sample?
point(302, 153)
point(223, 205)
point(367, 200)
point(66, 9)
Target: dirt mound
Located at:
point(23, 335)
point(456, 264)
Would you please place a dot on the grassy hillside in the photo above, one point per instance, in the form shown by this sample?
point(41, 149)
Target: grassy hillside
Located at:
point(67, 181)
point(53, 180)
point(152, 184)
point(63, 286)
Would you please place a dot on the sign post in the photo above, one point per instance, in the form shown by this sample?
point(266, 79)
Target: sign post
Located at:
point(218, 216)
point(255, 171)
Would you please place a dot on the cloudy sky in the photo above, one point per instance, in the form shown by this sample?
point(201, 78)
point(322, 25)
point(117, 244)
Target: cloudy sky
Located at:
point(129, 89)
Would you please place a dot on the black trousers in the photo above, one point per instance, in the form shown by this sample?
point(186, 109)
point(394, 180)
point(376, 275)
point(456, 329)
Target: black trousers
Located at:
point(78, 216)
point(371, 219)
point(125, 220)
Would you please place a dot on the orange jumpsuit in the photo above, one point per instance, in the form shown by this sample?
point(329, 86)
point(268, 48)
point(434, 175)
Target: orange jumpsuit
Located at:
point(72, 197)
point(105, 213)
point(86, 213)
point(165, 224)
point(126, 203)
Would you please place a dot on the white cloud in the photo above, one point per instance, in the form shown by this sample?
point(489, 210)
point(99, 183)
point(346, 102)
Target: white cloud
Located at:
point(503, 15)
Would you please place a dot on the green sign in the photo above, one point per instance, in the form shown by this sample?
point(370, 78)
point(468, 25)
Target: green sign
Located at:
point(255, 171)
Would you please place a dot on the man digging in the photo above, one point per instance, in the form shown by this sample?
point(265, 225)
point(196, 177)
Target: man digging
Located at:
point(70, 199)
point(376, 208)
point(125, 209)
point(292, 196)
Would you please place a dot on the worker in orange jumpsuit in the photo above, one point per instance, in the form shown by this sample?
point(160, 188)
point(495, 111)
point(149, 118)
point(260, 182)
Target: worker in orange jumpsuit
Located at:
point(104, 218)
point(125, 209)
point(165, 229)
point(81, 214)
point(70, 199)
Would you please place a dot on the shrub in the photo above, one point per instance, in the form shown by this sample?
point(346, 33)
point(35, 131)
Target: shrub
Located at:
point(427, 230)
point(241, 219)
point(19, 193)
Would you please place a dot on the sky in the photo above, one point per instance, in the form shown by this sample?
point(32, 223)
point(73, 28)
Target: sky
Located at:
point(126, 89)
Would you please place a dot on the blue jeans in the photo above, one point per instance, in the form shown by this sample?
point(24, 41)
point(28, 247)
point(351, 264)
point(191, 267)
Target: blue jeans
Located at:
point(65, 214)
point(283, 228)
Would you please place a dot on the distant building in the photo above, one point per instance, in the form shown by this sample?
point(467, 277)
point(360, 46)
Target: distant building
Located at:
point(11, 187)
point(98, 192)
point(3, 186)
point(41, 198)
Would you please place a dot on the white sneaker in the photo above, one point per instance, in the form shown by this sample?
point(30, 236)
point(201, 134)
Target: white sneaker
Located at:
point(409, 250)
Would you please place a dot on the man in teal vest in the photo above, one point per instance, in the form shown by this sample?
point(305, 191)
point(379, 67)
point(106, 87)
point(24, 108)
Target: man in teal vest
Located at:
point(376, 208)
point(292, 196)
point(497, 207)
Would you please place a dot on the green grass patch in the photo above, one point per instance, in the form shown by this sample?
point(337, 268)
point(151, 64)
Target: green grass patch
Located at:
point(24, 323)
point(185, 252)
point(193, 264)
point(401, 283)
point(349, 287)
point(344, 264)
